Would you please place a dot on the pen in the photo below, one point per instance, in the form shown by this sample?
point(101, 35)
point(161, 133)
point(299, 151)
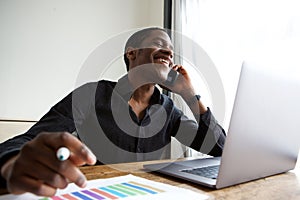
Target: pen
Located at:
point(63, 153)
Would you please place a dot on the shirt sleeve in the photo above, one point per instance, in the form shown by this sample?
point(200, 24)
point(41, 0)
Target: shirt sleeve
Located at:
point(207, 136)
point(61, 117)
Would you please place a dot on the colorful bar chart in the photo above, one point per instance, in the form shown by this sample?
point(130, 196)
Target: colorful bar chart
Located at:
point(128, 187)
point(114, 191)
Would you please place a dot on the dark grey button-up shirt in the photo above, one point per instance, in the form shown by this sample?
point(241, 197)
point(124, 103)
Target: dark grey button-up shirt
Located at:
point(100, 116)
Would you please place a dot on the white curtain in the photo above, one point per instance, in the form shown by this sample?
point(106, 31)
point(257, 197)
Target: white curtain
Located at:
point(230, 32)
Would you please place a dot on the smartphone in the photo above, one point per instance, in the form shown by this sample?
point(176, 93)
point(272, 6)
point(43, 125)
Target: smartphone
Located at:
point(172, 77)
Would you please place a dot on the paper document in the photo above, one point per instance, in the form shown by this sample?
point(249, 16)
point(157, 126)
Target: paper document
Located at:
point(122, 187)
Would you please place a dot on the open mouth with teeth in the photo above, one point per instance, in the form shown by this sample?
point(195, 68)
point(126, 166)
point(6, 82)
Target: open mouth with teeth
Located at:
point(163, 61)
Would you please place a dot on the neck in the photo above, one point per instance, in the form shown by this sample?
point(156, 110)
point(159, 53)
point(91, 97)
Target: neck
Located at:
point(143, 93)
point(140, 99)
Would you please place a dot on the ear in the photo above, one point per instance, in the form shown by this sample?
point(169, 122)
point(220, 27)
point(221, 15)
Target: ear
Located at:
point(131, 53)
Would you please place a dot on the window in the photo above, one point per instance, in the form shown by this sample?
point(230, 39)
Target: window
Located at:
point(230, 32)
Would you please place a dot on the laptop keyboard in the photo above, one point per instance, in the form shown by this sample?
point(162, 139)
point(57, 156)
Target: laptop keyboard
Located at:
point(208, 172)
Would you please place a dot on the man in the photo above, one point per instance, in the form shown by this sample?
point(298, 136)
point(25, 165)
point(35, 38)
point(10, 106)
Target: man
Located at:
point(121, 122)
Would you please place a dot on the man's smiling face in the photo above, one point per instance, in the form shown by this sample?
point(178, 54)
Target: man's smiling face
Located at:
point(156, 48)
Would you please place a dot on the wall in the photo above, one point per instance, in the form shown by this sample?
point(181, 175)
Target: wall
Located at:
point(9, 129)
point(45, 42)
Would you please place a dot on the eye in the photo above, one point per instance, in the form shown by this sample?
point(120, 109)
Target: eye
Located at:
point(158, 44)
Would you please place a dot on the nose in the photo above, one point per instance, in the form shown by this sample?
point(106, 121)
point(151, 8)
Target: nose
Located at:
point(168, 52)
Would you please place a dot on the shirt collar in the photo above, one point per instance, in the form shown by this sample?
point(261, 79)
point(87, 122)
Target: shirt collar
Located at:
point(124, 89)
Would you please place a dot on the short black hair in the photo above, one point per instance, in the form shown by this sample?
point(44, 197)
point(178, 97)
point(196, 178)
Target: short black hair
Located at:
point(137, 38)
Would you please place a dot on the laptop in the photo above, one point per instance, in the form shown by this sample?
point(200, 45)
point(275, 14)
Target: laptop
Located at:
point(263, 136)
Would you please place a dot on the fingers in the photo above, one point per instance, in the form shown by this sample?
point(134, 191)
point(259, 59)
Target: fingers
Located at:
point(20, 177)
point(180, 69)
point(80, 154)
point(70, 172)
point(49, 177)
point(183, 82)
point(175, 67)
point(36, 168)
point(27, 184)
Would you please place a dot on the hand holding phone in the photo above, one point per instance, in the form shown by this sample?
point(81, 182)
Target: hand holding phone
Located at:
point(172, 77)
